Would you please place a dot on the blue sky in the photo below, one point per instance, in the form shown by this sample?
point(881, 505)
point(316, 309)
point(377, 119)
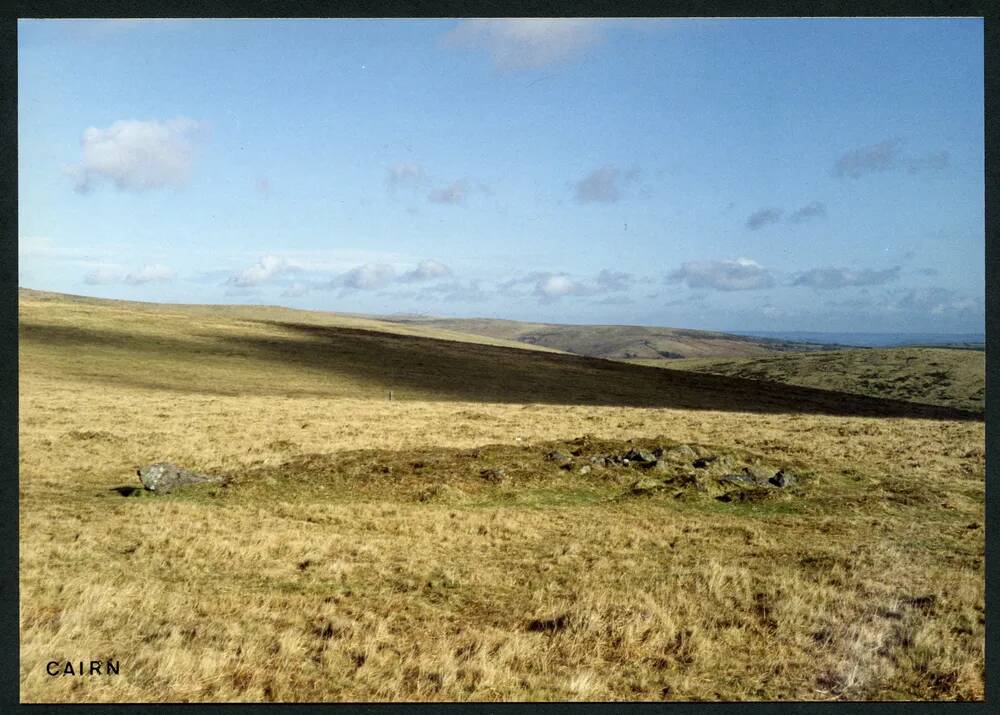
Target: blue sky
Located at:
point(724, 174)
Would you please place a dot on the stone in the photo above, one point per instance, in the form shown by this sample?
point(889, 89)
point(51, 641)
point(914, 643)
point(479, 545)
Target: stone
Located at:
point(703, 462)
point(737, 479)
point(760, 474)
point(659, 466)
point(682, 451)
point(639, 455)
point(585, 469)
point(782, 480)
point(556, 456)
point(162, 477)
point(646, 485)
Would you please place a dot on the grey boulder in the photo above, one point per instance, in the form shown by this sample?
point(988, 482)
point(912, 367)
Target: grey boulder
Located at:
point(640, 455)
point(162, 477)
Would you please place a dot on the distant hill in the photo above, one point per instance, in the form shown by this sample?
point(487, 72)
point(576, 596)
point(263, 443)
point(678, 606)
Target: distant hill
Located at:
point(614, 342)
point(971, 341)
point(225, 350)
point(936, 376)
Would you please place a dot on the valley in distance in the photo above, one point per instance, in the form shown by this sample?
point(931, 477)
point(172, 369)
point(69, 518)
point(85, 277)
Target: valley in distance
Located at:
point(539, 512)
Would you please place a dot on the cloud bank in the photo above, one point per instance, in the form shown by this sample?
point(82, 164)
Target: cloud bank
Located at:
point(426, 271)
point(550, 286)
point(886, 156)
point(741, 274)
point(266, 269)
point(833, 278)
point(106, 275)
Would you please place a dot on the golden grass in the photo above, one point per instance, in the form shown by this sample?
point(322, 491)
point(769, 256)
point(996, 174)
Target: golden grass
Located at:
point(938, 376)
point(358, 555)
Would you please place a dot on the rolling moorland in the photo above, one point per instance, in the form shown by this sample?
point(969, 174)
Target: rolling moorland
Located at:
point(480, 536)
point(939, 376)
point(614, 342)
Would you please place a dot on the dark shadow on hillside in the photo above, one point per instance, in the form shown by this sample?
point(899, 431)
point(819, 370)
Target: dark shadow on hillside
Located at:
point(430, 368)
point(470, 371)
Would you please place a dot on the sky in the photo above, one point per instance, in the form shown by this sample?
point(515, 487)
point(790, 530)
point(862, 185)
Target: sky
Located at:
point(754, 174)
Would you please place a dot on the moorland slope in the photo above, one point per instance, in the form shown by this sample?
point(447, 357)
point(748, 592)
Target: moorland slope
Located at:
point(937, 376)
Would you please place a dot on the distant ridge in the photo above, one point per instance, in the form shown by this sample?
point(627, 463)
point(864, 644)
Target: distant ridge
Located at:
point(872, 340)
point(616, 342)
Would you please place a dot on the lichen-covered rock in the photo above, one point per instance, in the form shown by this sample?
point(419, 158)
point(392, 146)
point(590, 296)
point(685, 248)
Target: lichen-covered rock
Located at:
point(639, 455)
point(738, 479)
point(647, 485)
point(162, 477)
point(680, 452)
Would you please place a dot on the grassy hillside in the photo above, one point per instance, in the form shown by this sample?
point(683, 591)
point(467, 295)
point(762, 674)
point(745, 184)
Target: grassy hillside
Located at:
point(256, 313)
point(429, 549)
point(937, 376)
point(212, 351)
point(616, 342)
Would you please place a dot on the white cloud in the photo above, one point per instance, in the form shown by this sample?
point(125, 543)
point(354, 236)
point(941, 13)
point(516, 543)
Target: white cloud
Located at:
point(108, 273)
point(741, 274)
point(426, 271)
point(557, 286)
point(525, 43)
point(265, 269)
point(136, 155)
point(366, 277)
point(549, 286)
point(156, 273)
